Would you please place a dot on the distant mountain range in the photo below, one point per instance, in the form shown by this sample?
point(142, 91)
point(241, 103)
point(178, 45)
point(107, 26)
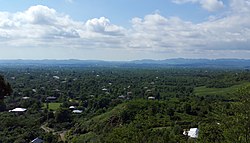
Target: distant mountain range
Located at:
point(146, 63)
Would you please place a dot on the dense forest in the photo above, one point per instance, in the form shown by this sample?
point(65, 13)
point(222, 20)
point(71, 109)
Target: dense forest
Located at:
point(118, 104)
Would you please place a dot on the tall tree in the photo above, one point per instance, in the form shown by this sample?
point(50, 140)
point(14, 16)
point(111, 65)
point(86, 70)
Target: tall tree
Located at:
point(5, 90)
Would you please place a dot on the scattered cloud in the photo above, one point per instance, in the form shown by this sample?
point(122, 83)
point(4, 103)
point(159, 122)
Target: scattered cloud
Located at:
point(209, 5)
point(42, 27)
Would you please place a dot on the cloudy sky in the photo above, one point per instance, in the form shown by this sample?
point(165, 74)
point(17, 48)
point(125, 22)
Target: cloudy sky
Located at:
point(124, 29)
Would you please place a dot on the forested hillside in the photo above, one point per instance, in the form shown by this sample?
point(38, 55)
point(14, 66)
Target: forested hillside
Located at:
point(98, 104)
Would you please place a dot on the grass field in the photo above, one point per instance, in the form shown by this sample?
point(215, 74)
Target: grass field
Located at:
point(218, 91)
point(52, 106)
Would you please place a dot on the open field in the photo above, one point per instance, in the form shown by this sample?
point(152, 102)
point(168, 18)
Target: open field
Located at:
point(218, 91)
point(52, 106)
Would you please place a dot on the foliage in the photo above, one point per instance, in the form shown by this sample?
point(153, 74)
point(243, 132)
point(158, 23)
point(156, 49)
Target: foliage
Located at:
point(5, 90)
point(52, 106)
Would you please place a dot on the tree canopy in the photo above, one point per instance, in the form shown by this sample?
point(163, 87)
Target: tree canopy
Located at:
point(5, 88)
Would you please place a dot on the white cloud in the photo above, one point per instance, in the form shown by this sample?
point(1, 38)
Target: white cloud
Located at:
point(38, 22)
point(42, 27)
point(158, 33)
point(220, 37)
point(210, 5)
point(103, 26)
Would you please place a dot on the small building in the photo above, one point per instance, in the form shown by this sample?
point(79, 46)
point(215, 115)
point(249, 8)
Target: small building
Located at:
point(122, 97)
point(56, 77)
point(37, 140)
point(25, 98)
point(64, 81)
point(104, 89)
point(192, 133)
point(151, 98)
point(77, 111)
point(72, 107)
point(18, 110)
point(51, 98)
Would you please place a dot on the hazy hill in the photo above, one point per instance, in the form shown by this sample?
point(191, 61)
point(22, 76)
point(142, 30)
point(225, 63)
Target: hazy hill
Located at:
point(180, 62)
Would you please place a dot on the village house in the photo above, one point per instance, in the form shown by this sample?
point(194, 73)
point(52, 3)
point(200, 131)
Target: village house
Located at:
point(192, 133)
point(151, 98)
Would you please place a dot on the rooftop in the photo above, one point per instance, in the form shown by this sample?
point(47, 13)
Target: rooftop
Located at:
point(77, 111)
point(18, 110)
point(37, 140)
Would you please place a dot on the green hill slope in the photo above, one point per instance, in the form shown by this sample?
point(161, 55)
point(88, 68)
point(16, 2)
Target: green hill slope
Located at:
point(133, 121)
point(218, 91)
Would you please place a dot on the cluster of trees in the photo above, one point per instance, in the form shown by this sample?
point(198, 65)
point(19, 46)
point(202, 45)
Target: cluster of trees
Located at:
point(5, 90)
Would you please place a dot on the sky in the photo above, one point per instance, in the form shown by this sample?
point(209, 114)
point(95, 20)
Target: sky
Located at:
point(121, 30)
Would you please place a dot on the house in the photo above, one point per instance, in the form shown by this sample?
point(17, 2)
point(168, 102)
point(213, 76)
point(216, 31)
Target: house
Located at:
point(122, 97)
point(51, 98)
point(192, 133)
point(18, 110)
point(37, 140)
point(104, 89)
point(151, 98)
point(77, 111)
point(25, 97)
point(72, 107)
point(56, 77)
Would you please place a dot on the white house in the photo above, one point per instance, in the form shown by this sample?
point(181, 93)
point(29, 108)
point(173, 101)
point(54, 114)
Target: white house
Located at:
point(122, 97)
point(151, 98)
point(56, 77)
point(192, 133)
point(104, 89)
point(18, 110)
point(72, 107)
point(77, 111)
point(25, 97)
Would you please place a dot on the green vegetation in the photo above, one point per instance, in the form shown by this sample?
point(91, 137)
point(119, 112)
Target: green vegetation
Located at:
point(125, 105)
point(203, 90)
point(52, 106)
point(5, 90)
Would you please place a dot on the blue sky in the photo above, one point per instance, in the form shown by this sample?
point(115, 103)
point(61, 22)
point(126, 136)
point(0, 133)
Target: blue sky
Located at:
point(119, 11)
point(124, 29)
